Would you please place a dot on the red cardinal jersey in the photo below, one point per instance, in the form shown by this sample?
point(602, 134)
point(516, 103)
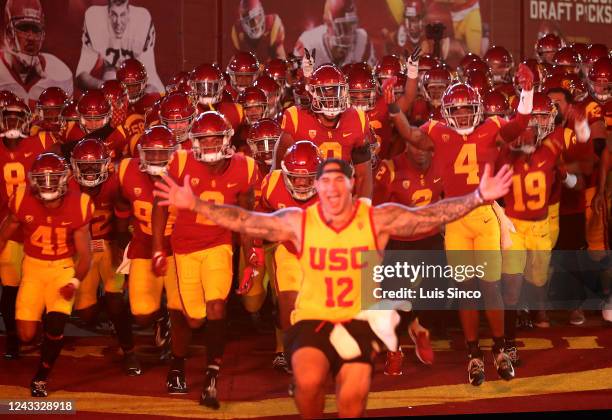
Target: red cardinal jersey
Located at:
point(230, 110)
point(115, 139)
point(276, 196)
point(264, 46)
point(137, 188)
point(49, 232)
point(419, 112)
point(463, 158)
point(532, 181)
point(509, 91)
point(192, 231)
point(399, 180)
point(350, 131)
point(15, 164)
point(104, 200)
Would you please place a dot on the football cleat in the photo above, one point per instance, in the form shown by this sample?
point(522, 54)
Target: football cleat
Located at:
point(577, 317)
point(38, 388)
point(512, 352)
point(503, 365)
point(176, 383)
point(131, 365)
point(476, 371)
point(393, 364)
point(280, 363)
point(208, 398)
point(541, 320)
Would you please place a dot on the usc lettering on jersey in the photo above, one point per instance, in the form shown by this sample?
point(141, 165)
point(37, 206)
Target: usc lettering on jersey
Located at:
point(264, 46)
point(398, 180)
point(194, 232)
point(532, 180)
point(104, 205)
point(332, 263)
point(49, 232)
point(230, 110)
point(463, 158)
point(339, 142)
point(15, 164)
point(137, 188)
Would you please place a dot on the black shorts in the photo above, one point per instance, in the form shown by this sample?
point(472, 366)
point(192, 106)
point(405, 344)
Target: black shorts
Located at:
point(315, 333)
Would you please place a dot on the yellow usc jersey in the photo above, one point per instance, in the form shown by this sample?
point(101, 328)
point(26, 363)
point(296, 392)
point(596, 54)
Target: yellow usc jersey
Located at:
point(333, 264)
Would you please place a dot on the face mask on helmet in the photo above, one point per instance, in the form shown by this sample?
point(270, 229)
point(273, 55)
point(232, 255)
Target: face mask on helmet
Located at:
point(433, 93)
point(209, 91)
point(49, 186)
point(135, 90)
point(211, 149)
point(49, 117)
point(154, 160)
point(262, 148)
point(329, 100)
point(300, 185)
point(363, 100)
point(601, 90)
point(15, 124)
point(179, 127)
point(241, 81)
point(527, 142)
point(91, 123)
point(26, 40)
point(344, 31)
point(253, 23)
point(254, 112)
point(90, 173)
point(542, 125)
point(463, 118)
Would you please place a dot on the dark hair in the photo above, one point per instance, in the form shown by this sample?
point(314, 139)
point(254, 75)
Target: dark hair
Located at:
point(566, 93)
point(345, 167)
point(116, 3)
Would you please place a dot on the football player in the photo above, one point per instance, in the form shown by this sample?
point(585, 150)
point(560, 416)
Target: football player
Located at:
point(113, 34)
point(242, 70)
point(133, 74)
point(338, 130)
point(463, 145)
point(257, 32)
point(49, 107)
point(55, 223)
point(177, 111)
point(18, 152)
point(501, 63)
point(536, 161)
point(254, 102)
point(280, 71)
point(203, 249)
point(208, 83)
point(24, 69)
point(91, 168)
point(117, 95)
point(136, 178)
point(273, 93)
point(339, 39)
point(330, 333)
point(290, 186)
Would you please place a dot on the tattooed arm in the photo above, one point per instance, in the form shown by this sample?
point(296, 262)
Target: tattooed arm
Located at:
point(282, 225)
point(398, 220)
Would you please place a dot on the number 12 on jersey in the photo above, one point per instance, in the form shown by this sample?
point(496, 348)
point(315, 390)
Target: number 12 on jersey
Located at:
point(337, 291)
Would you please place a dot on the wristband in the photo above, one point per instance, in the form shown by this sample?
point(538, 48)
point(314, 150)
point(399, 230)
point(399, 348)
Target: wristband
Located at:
point(393, 109)
point(75, 282)
point(478, 195)
point(525, 106)
point(570, 180)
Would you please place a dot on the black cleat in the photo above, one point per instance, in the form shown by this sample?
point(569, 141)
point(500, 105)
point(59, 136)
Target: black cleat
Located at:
point(476, 373)
point(280, 363)
point(512, 352)
point(208, 398)
point(176, 383)
point(503, 364)
point(131, 365)
point(12, 347)
point(38, 388)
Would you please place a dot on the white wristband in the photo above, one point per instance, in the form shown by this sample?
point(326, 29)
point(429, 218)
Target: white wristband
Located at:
point(413, 70)
point(583, 131)
point(570, 180)
point(75, 282)
point(525, 106)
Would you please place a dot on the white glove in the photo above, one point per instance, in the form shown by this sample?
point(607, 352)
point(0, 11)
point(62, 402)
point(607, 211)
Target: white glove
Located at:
point(308, 63)
point(124, 267)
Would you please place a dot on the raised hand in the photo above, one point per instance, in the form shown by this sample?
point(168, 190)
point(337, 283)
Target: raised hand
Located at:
point(494, 187)
point(172, 194)
point(525, 77)
point(413, 57)
point(308, 62)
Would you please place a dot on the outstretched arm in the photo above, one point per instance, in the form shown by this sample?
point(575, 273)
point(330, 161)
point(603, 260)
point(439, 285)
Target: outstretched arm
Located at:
point(282, 225)
point(398, 220)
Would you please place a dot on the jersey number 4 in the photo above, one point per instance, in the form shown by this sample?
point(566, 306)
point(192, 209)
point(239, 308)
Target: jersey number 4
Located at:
point(467, 163)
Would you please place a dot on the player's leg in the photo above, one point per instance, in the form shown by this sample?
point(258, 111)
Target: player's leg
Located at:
point(254, 299)
point(537, 272)
point(86, 300)
point(514, 260)
point(187, 310)
point(472, 31)
point(216, 277)
point(144, 292)
point(10, 275)
point(352, 388)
